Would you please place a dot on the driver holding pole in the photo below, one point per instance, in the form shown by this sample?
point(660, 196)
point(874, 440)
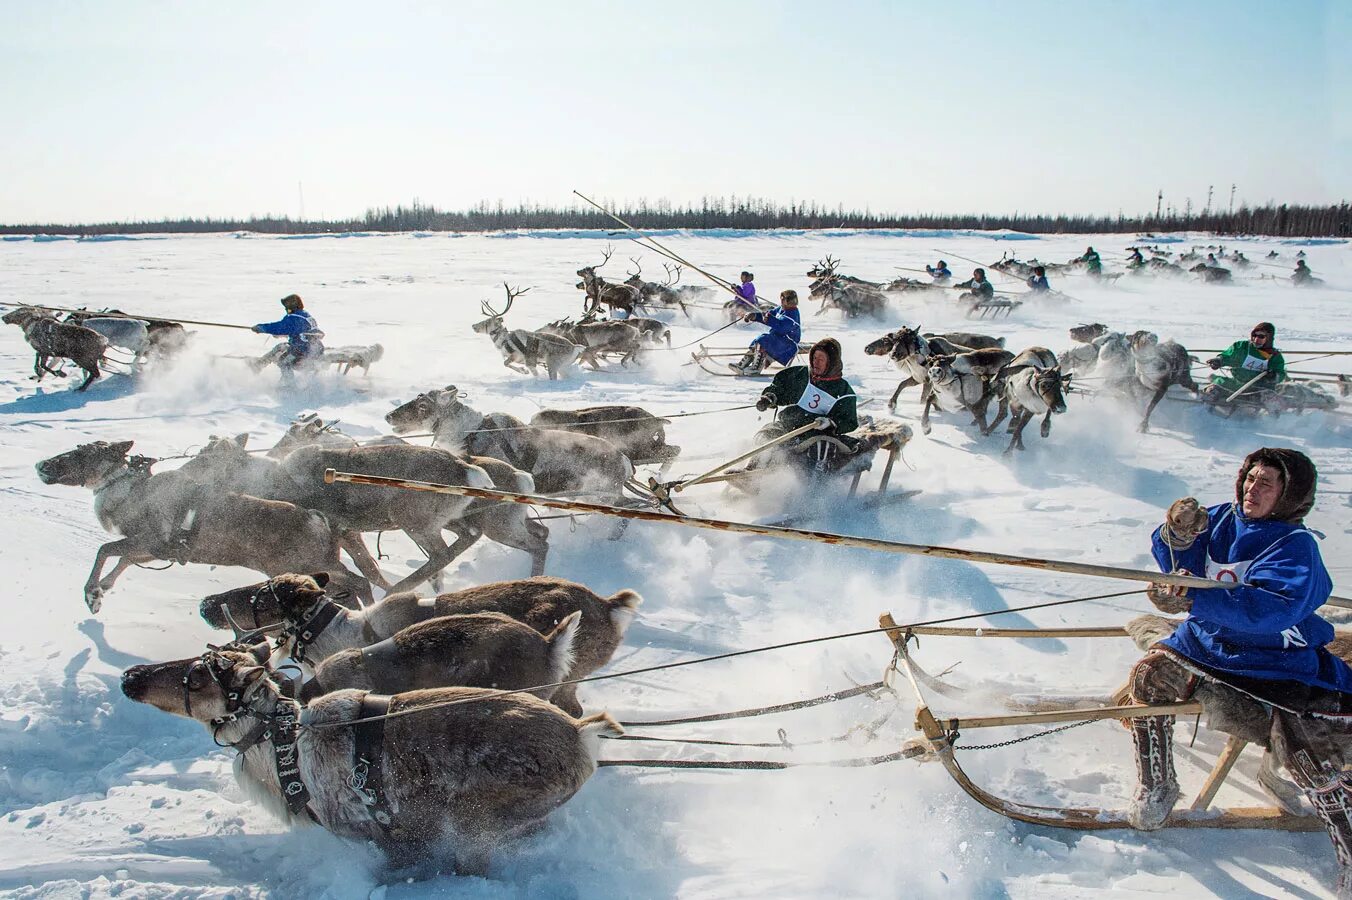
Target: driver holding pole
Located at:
point(808, 393)
point(1248, 361)
point(1253, 650)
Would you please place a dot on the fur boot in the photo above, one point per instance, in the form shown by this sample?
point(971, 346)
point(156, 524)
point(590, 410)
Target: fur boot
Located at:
point(1158, 787)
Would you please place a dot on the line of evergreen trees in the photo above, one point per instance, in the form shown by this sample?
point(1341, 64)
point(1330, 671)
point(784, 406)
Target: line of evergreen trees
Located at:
point(1285, 220)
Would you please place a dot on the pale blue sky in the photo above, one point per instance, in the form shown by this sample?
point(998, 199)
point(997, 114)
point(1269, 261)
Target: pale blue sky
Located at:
point(146, 110)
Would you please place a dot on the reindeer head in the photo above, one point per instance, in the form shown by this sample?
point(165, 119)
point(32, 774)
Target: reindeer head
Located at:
point(88, 465)
point(1050, 385)
point(588, 273)
point(906, 342)
point(493, 323)
point(1142, 340)
point(25, 315)
point(635, 279)
point(941, 369)
point(882, 346)
point(210, 688)
point(825, 268)
point(426, 410)
point(1086, 333)
point(304, 431)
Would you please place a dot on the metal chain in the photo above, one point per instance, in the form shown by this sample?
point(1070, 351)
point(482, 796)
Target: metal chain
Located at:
point(1027, 737)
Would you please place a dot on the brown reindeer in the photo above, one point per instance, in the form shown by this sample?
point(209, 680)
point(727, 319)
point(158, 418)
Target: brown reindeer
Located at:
point(487, 650)
point(51, 339)
point(523, 351)
point(171, 517)
point(911, 352)
point(541, 603)
point(509, 524)
point(636, 432)
point(602, 293)
point(596, 338)
point(965, 381)
point(1157, 367)
point(353, 509)
point(559, 461)
point(456, 771)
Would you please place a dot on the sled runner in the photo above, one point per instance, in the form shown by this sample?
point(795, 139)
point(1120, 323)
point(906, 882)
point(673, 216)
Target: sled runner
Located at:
point(714, 360)
point(941, 737)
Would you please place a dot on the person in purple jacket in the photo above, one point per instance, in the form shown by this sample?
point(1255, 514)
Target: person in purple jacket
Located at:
point(303, 337)
point(745, 296)
point(1252, 649)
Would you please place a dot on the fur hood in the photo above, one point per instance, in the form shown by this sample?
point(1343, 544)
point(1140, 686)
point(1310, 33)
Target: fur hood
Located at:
point(835, 366)
point(1298, 482)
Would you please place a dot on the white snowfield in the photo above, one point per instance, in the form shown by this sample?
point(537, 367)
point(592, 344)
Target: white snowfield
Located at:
point(104, 797)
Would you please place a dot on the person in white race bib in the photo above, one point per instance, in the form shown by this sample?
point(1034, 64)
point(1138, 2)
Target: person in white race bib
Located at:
point(1252, 649)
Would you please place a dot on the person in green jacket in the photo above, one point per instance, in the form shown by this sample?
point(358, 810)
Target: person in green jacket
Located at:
point(807, 393)
point(1093, 264)
point(1247, 360)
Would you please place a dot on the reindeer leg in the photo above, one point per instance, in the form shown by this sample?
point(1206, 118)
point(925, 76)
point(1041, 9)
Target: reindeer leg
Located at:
point(1000, 414)
point(924, 415)
point(1016, 442)
point(892, 404)
point(90, 375)
point(1047, 424)
point(439, 555)
point(94, 588)
point(355, 545)
point(1154, 401)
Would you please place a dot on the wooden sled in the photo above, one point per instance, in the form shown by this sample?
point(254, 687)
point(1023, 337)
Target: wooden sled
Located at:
point(995, 307)
point(940, 736)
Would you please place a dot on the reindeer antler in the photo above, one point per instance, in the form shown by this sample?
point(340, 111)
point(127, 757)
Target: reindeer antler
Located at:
point(610, 251)
point(670, 279)
point(638, 261)
point(511, 296)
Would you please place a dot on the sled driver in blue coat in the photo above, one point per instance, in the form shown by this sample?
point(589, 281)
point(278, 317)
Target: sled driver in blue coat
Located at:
point(780, 343)
point(303, 337)
point(1252, 649)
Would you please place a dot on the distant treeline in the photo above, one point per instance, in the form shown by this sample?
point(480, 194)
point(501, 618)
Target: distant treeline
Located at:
point(747, 213)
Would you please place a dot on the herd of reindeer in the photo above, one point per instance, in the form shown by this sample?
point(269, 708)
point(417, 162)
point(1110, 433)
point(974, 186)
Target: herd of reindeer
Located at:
point(439, 728)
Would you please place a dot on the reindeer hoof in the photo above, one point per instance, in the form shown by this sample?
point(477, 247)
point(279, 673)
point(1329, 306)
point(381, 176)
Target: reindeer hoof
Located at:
point(1047, 431)
point(924, 427)
point(1143, 428)
point(94, 599)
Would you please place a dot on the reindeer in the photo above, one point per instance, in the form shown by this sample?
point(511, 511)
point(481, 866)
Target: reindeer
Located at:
point(602, 293)
point(51, 339)
point(1030, 391)
point(1157, 366)
point(964, 381)
point(169, 516)
point(353, 357)
point(509, 524)
point(299, 602)
point(613, 336)
point(636, 432)
point(652, 293)
point(467, 771)
point(1211, 274)
point(558, 460)
point(522, 351)
point(853, 296)
point(911, 352)
point(487, 650)
point(353, 509)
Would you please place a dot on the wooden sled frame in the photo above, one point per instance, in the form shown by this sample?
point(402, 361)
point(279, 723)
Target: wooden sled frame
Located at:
point(995, 307)
point(662, 493)
point(939, 734)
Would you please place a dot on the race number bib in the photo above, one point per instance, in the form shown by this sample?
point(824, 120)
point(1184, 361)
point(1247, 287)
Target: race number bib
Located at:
point(818, 402)
point(1255, 363)
point(1228, 573)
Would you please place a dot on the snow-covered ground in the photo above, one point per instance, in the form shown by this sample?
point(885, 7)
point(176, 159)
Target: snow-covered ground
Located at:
point(104, 797)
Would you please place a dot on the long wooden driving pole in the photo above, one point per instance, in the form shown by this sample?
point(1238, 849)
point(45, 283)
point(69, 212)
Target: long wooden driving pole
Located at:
point(104, 315)
point(814, 425)
point(332, 476)
point(721, 282)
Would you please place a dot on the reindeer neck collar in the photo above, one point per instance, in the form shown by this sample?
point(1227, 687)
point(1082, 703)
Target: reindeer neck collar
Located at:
point(277, 723)
point(310, 626)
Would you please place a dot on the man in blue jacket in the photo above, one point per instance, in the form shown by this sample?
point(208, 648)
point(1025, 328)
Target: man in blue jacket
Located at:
point(779, 344)
point(940, 273)
point(303, 337)
point(1254, 643)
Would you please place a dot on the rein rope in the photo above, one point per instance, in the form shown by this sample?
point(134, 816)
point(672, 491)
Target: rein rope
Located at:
point(490, 695)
